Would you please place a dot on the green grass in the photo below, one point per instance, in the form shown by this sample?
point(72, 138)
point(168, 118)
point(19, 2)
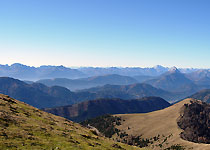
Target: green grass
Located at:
point(24, 127)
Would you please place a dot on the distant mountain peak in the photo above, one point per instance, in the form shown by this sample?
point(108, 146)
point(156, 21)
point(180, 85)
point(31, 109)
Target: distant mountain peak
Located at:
point(174, 70)
point(18, 65)
point(158, 67)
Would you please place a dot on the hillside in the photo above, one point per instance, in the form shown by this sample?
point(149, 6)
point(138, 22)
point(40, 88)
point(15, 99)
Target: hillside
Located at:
point(90, 109)
point(84, 83)
point(162, 122)
point(195, 122)
point(25, 127)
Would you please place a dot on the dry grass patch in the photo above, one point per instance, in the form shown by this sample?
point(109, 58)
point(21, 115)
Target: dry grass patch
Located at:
point(162, 122)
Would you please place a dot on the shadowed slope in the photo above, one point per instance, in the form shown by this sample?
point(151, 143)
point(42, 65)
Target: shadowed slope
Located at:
point(90, 109)
point(195, 121)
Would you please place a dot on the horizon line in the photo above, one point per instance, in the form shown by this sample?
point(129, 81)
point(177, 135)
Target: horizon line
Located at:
point(75, 67)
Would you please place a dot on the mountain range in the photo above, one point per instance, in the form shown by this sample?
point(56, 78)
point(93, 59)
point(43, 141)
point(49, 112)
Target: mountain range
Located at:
point(178, 84)
point(87, 92)
point(127, 71)
point(42, 96)
point(25, 127)
point(171, 85)
point(200, 77)
point(24, 72)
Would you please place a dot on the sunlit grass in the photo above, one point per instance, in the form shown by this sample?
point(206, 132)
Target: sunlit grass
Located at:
point(24, 127)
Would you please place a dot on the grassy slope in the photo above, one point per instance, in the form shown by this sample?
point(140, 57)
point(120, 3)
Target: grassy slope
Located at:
point(163, 122)
point(25, 127)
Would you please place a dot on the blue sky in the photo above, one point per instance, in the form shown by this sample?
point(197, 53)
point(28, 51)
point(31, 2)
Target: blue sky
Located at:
point(105, 33)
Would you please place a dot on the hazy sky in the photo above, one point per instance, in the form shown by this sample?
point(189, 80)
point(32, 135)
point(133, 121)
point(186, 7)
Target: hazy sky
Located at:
point(105, 32)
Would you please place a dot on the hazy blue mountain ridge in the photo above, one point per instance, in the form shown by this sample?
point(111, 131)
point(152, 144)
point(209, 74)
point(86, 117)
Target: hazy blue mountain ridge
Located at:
point(24, 72)
point(41, 96)
point(90, 82)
